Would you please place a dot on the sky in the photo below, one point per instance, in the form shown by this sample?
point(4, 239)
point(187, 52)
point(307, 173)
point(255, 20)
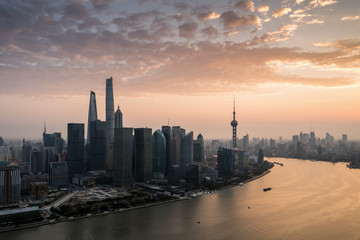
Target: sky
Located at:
point(292, 65)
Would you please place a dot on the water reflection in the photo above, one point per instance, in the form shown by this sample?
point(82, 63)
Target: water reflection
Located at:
point(308, 200)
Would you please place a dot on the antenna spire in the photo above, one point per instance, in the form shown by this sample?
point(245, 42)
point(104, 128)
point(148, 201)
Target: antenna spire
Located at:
point(44, 127)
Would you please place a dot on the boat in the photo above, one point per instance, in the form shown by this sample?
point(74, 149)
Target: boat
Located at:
point(267, 189)
point(241, 184)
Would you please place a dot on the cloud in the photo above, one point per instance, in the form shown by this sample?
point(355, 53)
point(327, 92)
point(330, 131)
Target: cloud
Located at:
point(208, 15)
point(350, 18)
point(345, 45)
point(315, 21)
point(281, 12)
point(188, 29)
point(232, 20)
point(245, 5)
point(283, 34)
point(322, 3)
point(263, 8)
point(210, 31)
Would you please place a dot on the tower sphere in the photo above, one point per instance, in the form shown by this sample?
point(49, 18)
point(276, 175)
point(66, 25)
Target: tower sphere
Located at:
point(234, 123)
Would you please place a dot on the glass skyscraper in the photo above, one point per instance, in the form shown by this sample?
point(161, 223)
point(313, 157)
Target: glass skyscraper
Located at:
point(96, 148)
point(143, 158)
point(158, 154)
point(75, 148)
point(92, 114)
point(122, 173)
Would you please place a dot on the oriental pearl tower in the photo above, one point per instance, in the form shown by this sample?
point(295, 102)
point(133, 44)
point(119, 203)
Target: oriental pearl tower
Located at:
point(234, 124)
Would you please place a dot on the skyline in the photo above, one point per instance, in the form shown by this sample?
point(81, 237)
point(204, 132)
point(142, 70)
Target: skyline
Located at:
point(292, 66)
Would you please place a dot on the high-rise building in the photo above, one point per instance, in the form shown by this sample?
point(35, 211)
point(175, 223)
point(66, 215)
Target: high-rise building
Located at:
point(109, 111)
point(96, 148)
point(58, 174)
point(158, 154)
point(25, 152)
point(187, 152)
point(260, 156)
point(37, 161)
point(118, 118)
point(199, 155)
point(225, 162)
point(122, 173)
point(1, 141)
point(143, 158)
point(10, 185)
point(76, 149)
point(246, 143)
point(92, 114)
point(166, 130)
point(234, 124)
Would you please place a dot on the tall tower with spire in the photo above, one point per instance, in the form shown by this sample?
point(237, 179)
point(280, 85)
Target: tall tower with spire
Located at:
point(92, 113)
point(109, 111)
point(234, 124)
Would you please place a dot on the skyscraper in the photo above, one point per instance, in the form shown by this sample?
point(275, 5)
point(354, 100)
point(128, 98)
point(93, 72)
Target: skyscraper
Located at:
point(10, 185)
point(92, 114)
point(166, 130)
point(109, 111)
point(199, 149)
point(96, 148)
point(158, 154)
point(234, 123)
point(187, 152)
point(122, 174)
point(75, 148)
point(118, 118)
point(26, 152)
point(143, 158)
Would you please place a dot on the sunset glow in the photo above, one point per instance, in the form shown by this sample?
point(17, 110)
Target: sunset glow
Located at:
point(293, 65)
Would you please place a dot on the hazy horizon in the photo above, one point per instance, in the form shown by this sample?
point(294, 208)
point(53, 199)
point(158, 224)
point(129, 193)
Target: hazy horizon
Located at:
point(293, 65)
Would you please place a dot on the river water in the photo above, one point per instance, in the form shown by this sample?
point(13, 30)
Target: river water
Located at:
point(308, 200)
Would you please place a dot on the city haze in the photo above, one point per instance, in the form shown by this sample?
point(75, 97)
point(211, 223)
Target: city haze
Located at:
point(291, 66)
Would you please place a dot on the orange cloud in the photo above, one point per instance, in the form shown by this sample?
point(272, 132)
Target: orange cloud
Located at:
point(281, 12)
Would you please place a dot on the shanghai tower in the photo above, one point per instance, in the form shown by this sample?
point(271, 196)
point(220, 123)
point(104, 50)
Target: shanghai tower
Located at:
point(109, 111)
point(92, 113)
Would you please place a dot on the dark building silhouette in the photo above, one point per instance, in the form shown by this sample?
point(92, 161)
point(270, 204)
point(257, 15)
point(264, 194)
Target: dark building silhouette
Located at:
point(199, 155)
point(109, 111)
point(143, 158)
point(58, 174)
point(122, 173)
point(92, 114)
point(187, 151)
point(158, 154)
point(76, 152)
point(260, 157)
point(118, 118)
point(96, 149)
point(25, 152)
point(10, 185)
point(37, 161)
point(193, 173)
point(225, 162)
point(1, 141)
point(166, 130)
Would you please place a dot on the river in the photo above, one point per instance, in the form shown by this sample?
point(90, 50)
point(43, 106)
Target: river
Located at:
point(308, 200)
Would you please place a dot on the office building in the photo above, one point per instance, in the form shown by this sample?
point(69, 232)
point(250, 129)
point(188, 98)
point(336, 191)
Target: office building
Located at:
point(198, 147)
point(10, 185)
point(25, 152)
point(76, 152)
point(225, 162)
point(96, 148)
point(166, 130)
point(118, 118)
point(158, 154)
point(122, 173)
point(187, 151)
point(58, 174)
point(92, 114)
point(109, 111)
point(143, 158)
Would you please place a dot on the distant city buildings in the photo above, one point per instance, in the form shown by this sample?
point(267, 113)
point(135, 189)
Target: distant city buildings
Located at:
point(10, 185)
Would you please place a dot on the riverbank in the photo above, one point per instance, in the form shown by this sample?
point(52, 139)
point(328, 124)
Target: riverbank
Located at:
point(89, 215)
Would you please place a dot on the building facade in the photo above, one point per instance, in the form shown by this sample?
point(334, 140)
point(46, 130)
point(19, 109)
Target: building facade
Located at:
point(158, 155)
point(122, 173)
point(76, 154)
point(143, 158)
